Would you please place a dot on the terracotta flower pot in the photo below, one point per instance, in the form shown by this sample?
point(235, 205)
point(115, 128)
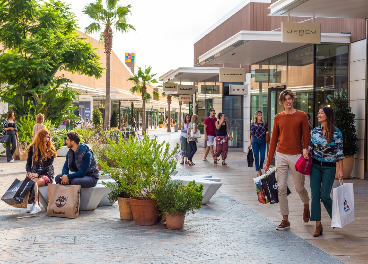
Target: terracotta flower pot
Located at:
point(348, 164)
point(174, 221)
point(144, 211)
point(125, 209)
point(160, 125)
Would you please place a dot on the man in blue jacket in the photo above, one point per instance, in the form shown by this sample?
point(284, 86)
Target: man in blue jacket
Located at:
point(80, 167)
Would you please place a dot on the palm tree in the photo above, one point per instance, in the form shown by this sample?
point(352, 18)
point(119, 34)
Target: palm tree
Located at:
point(115, 16)
point(141, 79)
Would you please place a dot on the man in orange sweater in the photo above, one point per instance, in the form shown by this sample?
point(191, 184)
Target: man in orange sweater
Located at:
point(290, 128)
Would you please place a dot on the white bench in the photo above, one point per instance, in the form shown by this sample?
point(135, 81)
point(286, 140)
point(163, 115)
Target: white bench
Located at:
point(105, 200)
point(89, 199)
point(210, 185)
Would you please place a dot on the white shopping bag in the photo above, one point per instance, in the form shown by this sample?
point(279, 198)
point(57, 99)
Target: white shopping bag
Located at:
point(343, 205)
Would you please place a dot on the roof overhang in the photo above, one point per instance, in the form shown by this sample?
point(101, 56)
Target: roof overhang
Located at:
point(190, 74)
point(248, 47)
point(321, 8)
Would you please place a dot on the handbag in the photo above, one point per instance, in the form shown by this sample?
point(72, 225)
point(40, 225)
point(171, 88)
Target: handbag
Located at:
point(4, 138)
point(267, 137)
point(304, 166)
point(250, 158)
point(18, 193)
point(343, 205)
point(197, 134)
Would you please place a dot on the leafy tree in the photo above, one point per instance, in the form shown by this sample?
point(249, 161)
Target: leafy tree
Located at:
point(141, 79)
point(96, 117)
point(115, 16)
point(345, 121)
point(38, 40)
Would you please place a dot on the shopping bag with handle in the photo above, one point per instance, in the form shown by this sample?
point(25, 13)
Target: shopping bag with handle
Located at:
point(64, 200)
point(270, 186)
point(342, 205)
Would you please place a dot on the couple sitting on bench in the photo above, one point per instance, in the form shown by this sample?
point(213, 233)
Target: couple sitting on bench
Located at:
point(80, 162)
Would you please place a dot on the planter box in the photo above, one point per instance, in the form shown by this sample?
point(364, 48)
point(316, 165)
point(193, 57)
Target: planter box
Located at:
point(62, 151)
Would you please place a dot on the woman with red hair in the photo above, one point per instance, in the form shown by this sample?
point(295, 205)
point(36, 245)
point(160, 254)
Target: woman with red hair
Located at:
point(40, 169)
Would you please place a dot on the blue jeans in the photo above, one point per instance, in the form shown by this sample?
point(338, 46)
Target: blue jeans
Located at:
point(259, 147)
point(193, 149)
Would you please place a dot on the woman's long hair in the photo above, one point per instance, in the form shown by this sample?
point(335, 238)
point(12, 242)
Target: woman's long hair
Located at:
point(47, 151)
point(330, 128)
point(185, 119)
point(255, 118)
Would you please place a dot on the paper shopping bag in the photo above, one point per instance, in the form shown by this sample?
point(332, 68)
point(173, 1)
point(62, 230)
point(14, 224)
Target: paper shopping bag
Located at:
point(18, 152)
point(343, 205)
point(261, 194)
point(18, 193)
point(64, 200)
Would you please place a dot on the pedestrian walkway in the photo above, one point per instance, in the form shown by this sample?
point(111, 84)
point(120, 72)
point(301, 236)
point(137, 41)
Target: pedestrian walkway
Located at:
point(349, 244)
point(232, 228)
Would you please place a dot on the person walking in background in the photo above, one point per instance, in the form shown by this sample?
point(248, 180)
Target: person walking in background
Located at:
point(39, 124)
point(222, 138)
point(184, 144)
point(88, 124)
point(133, 123)
point(327, 150)
point(258, 131)
point(193, 127)
point(289, 128)
point(209, 133)
point(10, 128)
point(40, 168)
point(79, 123)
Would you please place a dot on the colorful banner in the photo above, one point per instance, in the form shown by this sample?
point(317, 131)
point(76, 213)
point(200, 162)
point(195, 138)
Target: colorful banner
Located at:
point(129, 57)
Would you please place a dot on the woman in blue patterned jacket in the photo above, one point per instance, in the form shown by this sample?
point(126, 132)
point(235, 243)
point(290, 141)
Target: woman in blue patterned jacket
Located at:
point(327, 147)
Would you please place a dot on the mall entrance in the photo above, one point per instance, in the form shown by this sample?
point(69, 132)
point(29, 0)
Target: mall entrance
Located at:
point(273, 105)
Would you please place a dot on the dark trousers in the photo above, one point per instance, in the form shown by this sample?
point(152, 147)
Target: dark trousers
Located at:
point(321, 182)
point(13, 142)
point(259, 149)
point(193, 149)
point(85, 182)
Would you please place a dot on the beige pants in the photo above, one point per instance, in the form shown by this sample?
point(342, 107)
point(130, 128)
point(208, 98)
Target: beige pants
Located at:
point(283, 163)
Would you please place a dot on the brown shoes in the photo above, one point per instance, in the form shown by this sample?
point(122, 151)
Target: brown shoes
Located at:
point(306, 214)
point(319, 230)
point(285, 224)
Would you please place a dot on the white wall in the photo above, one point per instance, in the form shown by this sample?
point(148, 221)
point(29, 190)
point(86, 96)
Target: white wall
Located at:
point(357, 78)
point(246, 115)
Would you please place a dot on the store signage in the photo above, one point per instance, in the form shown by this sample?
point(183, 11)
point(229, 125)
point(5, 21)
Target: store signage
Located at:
point(232, 75)
point(238, 89)
point(301, 33)
point(186, 89)
point(185, 98)
point(210, 89)
point(261, 75)
point(170, 87)
point(85, 98)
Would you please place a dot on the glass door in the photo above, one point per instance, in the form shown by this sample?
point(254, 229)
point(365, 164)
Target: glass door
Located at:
point(274, 106)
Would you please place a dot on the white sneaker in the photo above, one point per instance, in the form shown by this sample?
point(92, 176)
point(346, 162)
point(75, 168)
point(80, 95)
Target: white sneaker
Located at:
point(29, 207)
point(11, 161)
point(206, 160)
point(36, 209)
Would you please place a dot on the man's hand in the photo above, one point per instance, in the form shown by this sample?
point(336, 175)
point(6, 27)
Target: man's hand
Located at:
point(305, 154)
point(64, 180)
point(265, 168)
point(206, 138)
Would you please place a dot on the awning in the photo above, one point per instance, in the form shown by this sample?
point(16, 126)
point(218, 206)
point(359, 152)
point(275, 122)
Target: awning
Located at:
point(249, 47)
point(321, 8)
point(190, 74)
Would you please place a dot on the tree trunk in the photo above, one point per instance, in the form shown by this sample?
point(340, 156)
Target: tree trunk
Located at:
point(169, 115)
point(144, 110)
point(108, 48)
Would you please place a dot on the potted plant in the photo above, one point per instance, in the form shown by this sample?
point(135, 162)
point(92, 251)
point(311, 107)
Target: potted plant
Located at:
point(160, 124)
point(142, 166)
point(344, 120)
point(175, 200)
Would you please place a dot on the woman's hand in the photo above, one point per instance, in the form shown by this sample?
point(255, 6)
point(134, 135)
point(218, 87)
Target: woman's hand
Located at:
point(249, 146)
point(340, 175)
point(305, 154)
point(231, 138)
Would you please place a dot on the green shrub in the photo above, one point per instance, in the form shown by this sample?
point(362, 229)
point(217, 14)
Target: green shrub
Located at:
point(97, 117)
point(160, 122)
point(345, 121)
point(177, 199)
point(114, 119)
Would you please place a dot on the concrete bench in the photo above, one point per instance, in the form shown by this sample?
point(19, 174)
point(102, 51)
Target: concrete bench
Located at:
point(105, 200)
point(210, 185)
point(89, 199)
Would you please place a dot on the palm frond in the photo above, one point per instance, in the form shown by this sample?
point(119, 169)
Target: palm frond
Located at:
point(147, 97)
point(93, 10)
point(111, 4)
point(92, 28)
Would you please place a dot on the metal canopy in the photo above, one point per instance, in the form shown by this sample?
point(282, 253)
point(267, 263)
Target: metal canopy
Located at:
point(321, 8)
point(190, 74)
point(249, 47)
